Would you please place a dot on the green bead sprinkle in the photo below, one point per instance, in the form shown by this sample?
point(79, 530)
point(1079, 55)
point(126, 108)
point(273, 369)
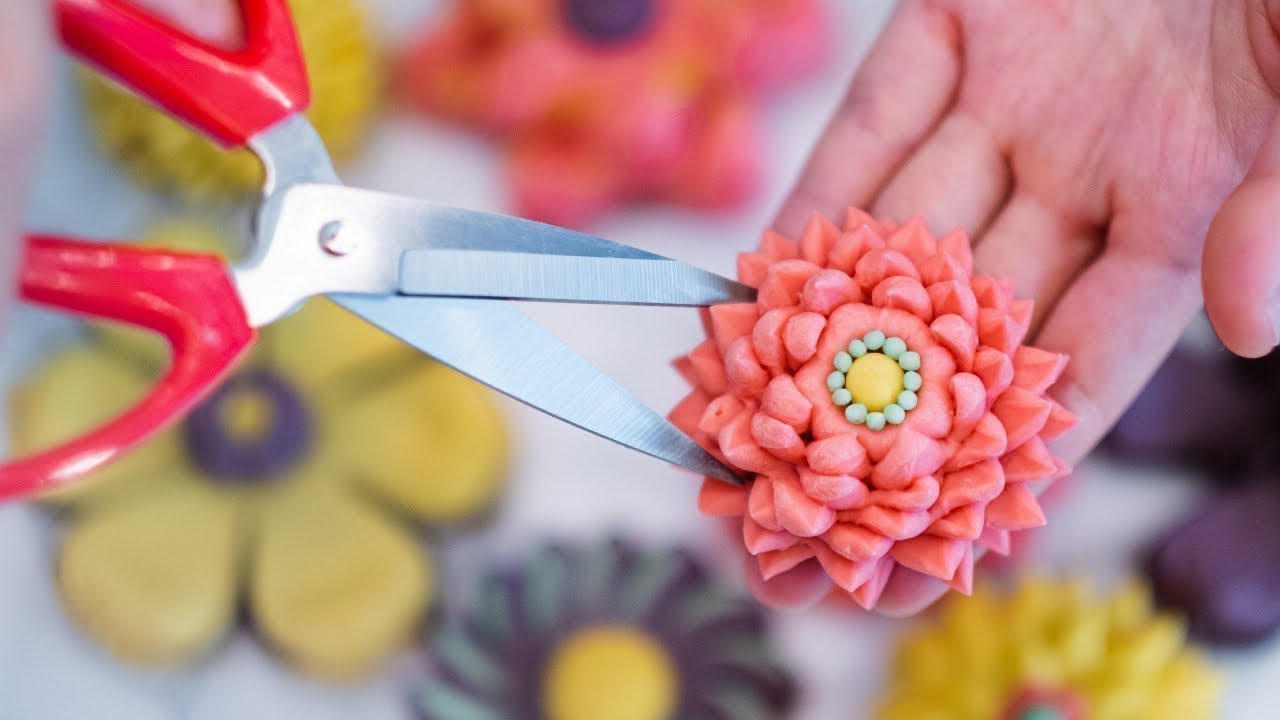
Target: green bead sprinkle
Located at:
point(835, 381)
point(856, 413)
point(908, 399)
point(874, 340)
point(843, 361)
point(912, 381)
point(842, 397)
point(857, 348)
point(893, 347)
point(875, 421)
point(894, 414)
point(909, 360)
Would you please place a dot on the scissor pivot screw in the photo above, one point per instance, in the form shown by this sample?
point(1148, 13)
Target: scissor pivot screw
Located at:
point(335, 241)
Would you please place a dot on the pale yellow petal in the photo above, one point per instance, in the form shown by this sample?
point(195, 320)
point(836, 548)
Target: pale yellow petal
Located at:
point(153, 578)
point(336, 586)
point(322, 343)
point(76, 391)
point(433, 443)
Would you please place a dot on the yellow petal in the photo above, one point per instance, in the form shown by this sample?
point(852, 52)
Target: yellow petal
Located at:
point(77, 391)
point(153, 578)
point(335, 585)
point(432, 442)
point(322, 343)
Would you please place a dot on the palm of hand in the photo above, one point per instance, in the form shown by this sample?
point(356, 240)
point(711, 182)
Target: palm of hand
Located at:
point(1085, 144)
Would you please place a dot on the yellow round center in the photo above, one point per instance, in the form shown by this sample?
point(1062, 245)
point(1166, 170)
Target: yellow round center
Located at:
point(875, 380)
point(610, 672)
point(247, 414)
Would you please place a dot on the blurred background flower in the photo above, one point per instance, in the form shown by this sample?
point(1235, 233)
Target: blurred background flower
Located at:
point(1221, 564)
point(292, 491)
point(163, 154)
point(1049, 650)
point(601, 102)
point(606, 630)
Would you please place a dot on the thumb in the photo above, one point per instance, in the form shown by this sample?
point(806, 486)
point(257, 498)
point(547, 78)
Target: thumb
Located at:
point(1241, 269)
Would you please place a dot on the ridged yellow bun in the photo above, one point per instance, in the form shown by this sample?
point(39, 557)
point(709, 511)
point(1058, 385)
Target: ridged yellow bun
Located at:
point(161, 153)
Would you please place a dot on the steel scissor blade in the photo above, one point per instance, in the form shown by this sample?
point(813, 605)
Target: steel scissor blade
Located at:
point(564, 278)
point(495, 343)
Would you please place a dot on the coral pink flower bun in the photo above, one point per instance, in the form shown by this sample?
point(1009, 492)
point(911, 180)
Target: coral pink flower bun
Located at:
point(880, 399)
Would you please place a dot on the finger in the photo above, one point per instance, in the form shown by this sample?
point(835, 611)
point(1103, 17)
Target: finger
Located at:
point(1037, 248)
point(899, 94)
point(909, 592)
point(801, 587)
point(1241, 272)
point(1117, 322)
point(957, 178)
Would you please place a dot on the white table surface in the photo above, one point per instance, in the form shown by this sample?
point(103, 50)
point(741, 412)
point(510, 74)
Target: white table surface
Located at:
point(566, 484)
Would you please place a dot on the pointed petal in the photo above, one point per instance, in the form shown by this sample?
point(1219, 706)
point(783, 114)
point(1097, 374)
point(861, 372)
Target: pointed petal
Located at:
point(1022, 414)
point(919, 495)
point(958, 337)
point(777, 246)
point(732, 321)
point(766, 337)
point(797, 512)
point(760, 505)
point(759, 540)
point(970, 398)
point(828, 290)
point(840, 492)
point(775, 562)
point(893, 524)
point(988, 440)
point(1060, 421)
point(995, 540)
point(784, 401)
point(838, 455)
point(931, 555)
point(852, 246)
point(783, 282)
point(716, 415)
point(963, 523)
point(1002, 331)
point(708, 366)
point(904, 294)
point(740, 448)
point(1029, 461)
point(955, 244)
point(995, 370)
point(777, 437)
point(1015, 509)
point(869, 592)
point(954, 297)
point(1035, 370)
point(752, 267)
point(913, 240)
point(856, 542)
point(962, 580)
point(844, 572)
point(911, 456)
point(742, 368)
point(978, 483)
point(877, 265)
point(820, 234)
point(801, 334)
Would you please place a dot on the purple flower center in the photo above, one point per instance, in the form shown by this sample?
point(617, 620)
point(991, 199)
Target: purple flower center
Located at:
point(609, 21)
point(254, 427)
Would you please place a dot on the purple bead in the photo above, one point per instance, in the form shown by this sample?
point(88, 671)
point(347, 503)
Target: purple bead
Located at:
point(609, 21)
point(1222, 568)
point(224, 456)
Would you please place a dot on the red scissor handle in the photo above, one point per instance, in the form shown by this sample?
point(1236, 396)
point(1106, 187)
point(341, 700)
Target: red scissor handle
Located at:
point(229, 95)
point(188, 298)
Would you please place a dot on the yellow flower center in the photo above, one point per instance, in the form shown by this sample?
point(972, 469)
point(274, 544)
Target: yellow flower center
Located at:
point(610, 672)
point(247, 413)
point(875, 380)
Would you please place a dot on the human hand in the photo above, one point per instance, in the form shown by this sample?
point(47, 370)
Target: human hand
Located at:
point(1086, 146)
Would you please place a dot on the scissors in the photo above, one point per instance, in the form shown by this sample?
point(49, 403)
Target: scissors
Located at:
point(438, 278)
